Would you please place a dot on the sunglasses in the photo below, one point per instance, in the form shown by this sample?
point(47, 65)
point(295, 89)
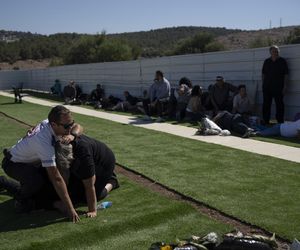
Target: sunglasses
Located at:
point(67, 126)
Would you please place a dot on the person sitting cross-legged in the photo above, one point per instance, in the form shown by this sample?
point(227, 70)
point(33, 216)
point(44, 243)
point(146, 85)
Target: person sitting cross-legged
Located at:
point(241, 102)
point(184, 95)
point(97, 96)
point(195, 109)
point(129, 103)
point(69, 92)
point(159, 94)
point(220, 95)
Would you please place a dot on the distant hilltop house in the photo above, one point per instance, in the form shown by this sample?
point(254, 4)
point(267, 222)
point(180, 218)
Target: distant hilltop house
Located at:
point(9, 38)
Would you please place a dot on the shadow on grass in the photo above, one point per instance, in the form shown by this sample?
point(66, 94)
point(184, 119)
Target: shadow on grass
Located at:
point(280, 140)
point(10, 221)
point(44, 95)
point(10, 103)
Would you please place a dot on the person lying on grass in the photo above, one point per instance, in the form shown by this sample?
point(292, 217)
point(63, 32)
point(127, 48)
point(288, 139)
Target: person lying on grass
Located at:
point(33, 159)
point(235, 123)
point(287, 129)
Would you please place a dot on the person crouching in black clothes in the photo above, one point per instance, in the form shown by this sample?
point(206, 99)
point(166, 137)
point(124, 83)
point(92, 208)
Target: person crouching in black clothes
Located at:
point(92, 172)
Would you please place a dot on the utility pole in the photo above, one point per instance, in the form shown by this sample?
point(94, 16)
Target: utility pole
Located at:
point(270, 24)
point(280, 23)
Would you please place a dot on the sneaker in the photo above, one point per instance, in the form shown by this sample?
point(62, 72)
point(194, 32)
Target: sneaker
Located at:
point(160, 119)
point(103, 194)
point(147, 118)
point(250, 132)
point(141, 110)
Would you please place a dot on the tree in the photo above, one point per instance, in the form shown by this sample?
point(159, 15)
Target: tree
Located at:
point(100, 49)
point(200, 43)
point(294, 36)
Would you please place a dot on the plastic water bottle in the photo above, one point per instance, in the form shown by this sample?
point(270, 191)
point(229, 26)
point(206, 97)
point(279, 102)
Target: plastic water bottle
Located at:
point(104, 205)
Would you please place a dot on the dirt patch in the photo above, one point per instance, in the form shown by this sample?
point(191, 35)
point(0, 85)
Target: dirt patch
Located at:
point(25, 64)
point(170, 193)
point(15, 120)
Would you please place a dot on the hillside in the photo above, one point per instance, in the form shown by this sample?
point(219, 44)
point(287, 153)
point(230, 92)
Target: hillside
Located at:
point(244, 39)
point(160, 41)
point(26, 50)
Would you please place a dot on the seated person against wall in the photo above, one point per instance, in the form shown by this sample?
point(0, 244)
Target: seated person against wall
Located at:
point(220, 95)
point(241, 102)
point(159, 94)
point(286, 129)
point(139, 105)
point(69, 92)
point(129, 103)
point(79, 93)
point(97, 96)
point(234, 123)
point(56, 88)
point(184, 94)
point(195, 109)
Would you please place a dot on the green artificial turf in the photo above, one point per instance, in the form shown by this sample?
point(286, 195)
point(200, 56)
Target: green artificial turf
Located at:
point(137, 218)
point(259, 189)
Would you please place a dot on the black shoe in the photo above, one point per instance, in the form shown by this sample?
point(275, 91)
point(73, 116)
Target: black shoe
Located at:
point(114, 182)
point(10, 186)
point(103, 194)
point(249, 133)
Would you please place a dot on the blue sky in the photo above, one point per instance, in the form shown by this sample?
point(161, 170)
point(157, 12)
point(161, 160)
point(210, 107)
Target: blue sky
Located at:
point(114, 16)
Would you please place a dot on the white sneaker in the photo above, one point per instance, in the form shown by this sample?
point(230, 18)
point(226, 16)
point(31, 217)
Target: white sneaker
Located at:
point(147, 118)
point(160, 119)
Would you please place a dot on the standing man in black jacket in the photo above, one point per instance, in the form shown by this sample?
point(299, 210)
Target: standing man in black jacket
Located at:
point(275, 78)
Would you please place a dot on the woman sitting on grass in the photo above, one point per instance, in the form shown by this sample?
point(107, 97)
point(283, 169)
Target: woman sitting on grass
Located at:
point(195, 109)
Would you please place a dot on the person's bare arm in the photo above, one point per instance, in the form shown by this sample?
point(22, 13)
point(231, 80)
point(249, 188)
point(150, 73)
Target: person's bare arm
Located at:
point(90, 193)
point(61, 189)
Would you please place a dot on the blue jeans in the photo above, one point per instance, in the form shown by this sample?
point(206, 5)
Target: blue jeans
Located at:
point(274, 130)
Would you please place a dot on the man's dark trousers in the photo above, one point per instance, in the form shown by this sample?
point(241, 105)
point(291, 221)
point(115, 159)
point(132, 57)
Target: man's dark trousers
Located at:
point(267, 103)
point(30, 177)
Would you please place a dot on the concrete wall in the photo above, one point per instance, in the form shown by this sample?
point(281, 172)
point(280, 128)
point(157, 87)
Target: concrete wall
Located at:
point(237, 67)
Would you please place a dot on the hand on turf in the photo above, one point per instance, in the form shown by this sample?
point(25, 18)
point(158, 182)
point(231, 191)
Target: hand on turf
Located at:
point(91, 214)
point(74, 216)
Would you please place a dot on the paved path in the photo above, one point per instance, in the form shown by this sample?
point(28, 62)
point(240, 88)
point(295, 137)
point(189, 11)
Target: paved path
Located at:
point(258, 147)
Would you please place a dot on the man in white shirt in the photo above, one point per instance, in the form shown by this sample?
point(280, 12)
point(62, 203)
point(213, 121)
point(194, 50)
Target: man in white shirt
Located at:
point(287, 129)
point(22, 162)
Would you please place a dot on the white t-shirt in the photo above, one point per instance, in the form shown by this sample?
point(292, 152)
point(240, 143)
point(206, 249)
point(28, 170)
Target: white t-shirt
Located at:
point(290, 129)
point(37, 146)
